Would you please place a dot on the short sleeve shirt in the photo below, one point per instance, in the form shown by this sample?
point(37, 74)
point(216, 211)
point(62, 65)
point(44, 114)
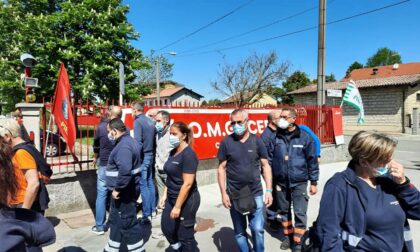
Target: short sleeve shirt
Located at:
point(22, 160)
point(185, 162)
point(243, 165)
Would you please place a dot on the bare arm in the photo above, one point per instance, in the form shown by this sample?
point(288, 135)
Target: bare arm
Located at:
point(268, 178)
point(221, 178)
point(32, 188)
point(183, 194)
point(163, 197)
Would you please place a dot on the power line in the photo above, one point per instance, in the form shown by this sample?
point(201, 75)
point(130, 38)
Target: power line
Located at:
point(253, 30)
point(296, 32)
point(207, 25)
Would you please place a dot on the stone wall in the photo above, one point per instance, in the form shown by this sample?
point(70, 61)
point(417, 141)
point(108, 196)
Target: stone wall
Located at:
point(383, 109)
point(75, 191)
point(410, 103)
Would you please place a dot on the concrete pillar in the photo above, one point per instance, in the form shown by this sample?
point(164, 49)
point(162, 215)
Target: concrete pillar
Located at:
point(30, 116)
point(415, 121)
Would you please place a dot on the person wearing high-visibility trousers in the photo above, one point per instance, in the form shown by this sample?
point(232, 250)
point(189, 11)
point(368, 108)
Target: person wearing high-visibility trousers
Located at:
point(294, 163)
point(123, 179)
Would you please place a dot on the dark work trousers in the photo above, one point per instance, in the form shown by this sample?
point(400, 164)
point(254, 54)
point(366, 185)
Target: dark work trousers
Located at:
point(124, 226)
point(298, 197)
point(181, 229)
point(273, 210)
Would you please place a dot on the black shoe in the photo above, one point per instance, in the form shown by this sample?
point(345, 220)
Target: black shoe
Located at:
point(285, 243)
point(297, 247)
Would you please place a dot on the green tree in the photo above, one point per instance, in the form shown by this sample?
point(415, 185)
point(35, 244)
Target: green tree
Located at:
point(384, 56)
point(354, 65)
point(147, 74)
point(296, 80)
point(90, 36)
point(214, 102)
point(330, 78)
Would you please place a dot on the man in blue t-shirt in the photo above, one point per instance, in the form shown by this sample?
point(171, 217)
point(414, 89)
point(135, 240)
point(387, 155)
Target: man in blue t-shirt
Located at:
point(241, 156)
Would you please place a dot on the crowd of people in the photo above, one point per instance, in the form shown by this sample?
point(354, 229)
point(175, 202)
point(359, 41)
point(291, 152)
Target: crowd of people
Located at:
point(267, 179)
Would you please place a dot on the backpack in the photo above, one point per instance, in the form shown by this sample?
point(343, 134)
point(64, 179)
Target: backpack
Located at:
point(44, 170)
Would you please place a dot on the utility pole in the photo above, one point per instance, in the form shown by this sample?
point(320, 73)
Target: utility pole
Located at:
point(321, 53)
point(158, 80)
point(122, 83)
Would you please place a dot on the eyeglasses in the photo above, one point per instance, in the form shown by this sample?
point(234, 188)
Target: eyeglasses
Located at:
point(237, 122)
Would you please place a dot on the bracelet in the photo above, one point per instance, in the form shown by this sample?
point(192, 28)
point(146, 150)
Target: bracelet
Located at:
point(269, 190)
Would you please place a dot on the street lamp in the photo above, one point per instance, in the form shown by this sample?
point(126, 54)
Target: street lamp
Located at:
point(158, 75)
point(29, 61)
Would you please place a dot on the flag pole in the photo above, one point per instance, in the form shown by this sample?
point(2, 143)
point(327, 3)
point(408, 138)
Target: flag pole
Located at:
point(48, 133)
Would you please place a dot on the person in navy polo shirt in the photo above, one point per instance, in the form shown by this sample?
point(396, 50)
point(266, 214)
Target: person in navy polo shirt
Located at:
point(241, 156)
point(181, 198)
point(366, 206)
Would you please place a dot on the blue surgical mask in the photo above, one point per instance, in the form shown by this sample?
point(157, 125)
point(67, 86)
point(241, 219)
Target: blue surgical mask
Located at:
point(159, 127)
point(239, 129)
point(382, 171)
point(174, 141)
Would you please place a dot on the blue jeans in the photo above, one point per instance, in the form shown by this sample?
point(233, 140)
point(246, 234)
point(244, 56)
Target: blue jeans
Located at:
point(147, 188)
point(101, 198)
point(256, 224)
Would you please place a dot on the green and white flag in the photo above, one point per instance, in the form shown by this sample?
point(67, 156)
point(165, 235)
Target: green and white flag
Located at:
point(353, 98)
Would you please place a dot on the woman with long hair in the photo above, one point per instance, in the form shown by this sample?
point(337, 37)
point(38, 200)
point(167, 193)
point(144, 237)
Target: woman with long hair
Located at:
point(181, 198)
point(20, 229)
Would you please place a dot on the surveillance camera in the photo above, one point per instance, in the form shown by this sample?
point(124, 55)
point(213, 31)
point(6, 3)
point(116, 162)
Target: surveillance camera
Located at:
point(28, 60)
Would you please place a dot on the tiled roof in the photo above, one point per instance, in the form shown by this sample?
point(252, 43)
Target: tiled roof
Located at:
point(384, 71)
point(365, 83)
point(167, 92)
point(234, 97)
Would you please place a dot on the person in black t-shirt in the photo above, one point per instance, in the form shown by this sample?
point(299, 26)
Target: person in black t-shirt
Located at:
point(241, 156)
point(181, 198)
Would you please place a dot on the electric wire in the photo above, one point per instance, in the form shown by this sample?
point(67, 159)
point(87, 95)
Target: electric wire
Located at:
point(295, 32)
point(207, 25)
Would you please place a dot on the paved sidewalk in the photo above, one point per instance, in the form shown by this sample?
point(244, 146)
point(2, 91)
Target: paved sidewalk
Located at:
point(214, 229)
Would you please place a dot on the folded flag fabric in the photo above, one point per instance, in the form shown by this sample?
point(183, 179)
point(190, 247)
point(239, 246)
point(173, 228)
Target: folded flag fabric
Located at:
point(353, 98)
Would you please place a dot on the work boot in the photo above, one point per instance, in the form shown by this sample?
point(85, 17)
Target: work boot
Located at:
point(285, 243)
point(297, 247)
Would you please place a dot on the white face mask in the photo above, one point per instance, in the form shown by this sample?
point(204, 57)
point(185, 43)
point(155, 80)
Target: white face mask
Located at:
point(283, 123)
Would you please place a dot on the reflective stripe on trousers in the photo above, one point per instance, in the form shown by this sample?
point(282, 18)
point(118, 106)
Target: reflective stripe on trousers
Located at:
point(115, 173)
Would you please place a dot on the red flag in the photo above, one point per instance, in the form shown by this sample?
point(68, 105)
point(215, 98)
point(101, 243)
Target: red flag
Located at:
point(63, 114)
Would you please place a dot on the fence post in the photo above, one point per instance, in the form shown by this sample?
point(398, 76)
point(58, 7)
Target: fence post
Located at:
point(415, 121)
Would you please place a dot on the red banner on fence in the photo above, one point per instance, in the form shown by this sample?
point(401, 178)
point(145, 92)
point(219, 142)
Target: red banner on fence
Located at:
point(63, 114)
point(210, 126)
point(338, 125)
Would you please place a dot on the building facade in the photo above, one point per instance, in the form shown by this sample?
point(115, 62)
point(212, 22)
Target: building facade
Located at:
point(389, 94)
point(173, 93)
